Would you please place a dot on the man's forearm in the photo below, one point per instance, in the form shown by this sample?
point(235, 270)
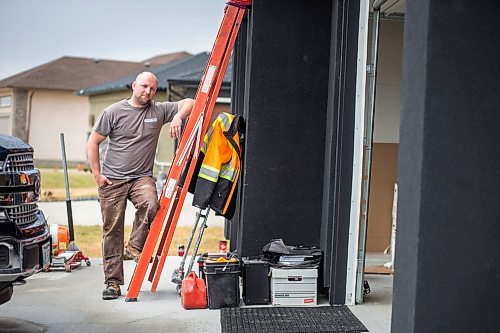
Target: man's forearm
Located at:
point(185, 107)
point(93, 155)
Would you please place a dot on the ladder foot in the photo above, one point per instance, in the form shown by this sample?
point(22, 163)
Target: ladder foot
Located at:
point(131, 299)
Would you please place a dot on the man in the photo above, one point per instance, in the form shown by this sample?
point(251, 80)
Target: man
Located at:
point(133, 126)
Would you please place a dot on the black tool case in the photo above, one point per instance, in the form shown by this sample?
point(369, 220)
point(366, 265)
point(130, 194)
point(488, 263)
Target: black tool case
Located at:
point(255, 281)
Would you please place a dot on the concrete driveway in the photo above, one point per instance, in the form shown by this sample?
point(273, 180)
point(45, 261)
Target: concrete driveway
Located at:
point(71, 302)
point(60, 302)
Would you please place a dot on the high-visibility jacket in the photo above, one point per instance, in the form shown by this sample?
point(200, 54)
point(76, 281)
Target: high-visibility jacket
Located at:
point(219, 165)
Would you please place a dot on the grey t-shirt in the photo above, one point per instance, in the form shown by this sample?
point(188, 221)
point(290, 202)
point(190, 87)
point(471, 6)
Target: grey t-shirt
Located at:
point(133, 135)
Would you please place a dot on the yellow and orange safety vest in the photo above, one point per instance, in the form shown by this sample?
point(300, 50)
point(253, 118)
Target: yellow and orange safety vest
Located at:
point(219, 165)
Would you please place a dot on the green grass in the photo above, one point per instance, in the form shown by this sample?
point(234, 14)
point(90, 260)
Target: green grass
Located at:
point(81, 184)
point(89, 239)
point(54, 179)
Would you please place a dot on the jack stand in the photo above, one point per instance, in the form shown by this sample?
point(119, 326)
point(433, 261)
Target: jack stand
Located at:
point(70, 258)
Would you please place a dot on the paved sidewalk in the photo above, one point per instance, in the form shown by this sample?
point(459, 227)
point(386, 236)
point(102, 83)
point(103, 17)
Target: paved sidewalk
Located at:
point(88, 212)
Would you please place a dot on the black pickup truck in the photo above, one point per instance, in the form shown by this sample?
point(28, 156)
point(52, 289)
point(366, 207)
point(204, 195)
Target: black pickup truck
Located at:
point(25, 242)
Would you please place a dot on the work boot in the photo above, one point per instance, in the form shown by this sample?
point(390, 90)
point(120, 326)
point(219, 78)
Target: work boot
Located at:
point(131, 253)
point(112, 291)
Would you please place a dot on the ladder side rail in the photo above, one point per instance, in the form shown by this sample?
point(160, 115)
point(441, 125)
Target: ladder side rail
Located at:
point(195, 138)
point(193, 144)
point(187, 149)
point(171, 230)
point(163, 237)
point(156, 226)
point(211, 103)
point(226, 23)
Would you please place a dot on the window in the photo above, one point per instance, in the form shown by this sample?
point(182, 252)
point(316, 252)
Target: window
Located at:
point(5, 101)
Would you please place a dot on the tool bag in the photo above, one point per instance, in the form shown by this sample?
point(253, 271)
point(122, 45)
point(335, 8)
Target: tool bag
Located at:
point(193, 292)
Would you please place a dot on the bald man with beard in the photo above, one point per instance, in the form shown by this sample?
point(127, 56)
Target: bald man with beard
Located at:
point(132, 127)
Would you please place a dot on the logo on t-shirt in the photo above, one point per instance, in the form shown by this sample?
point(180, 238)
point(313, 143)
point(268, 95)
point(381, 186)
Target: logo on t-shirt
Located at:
point(150, 120)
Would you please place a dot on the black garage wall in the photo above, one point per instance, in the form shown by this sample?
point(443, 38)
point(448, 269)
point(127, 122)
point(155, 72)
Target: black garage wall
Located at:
point(294, 82)
point(286, 93)
point(447, 252)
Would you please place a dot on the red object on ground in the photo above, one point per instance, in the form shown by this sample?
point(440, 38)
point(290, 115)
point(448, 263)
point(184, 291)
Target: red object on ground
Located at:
point(193, 292)
point(76, 260)
point(60, 238)
point(222, 246)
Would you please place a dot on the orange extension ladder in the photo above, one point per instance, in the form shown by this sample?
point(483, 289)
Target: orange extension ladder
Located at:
point(172, 197)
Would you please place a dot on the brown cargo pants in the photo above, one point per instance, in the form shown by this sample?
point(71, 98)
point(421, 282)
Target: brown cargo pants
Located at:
point(113, 199)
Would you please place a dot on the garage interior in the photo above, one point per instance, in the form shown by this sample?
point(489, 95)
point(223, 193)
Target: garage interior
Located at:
point(381, 143)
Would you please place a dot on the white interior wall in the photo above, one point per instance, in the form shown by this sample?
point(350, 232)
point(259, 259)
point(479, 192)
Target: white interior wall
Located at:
point(388, 95)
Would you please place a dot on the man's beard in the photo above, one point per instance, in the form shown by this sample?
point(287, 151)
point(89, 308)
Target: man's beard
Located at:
point(143, 100)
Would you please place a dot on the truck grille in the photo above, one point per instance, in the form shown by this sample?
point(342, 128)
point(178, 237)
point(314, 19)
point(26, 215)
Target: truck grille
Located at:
point(23, 214)
point(4, 256)
point(19, 162)
point(31, 256)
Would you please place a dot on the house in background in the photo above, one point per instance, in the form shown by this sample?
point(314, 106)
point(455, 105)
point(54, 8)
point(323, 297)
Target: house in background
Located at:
point(177, 80)
point(38, 104)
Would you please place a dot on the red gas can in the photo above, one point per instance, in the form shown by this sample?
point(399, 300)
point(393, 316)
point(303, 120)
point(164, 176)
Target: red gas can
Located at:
point(193, 292)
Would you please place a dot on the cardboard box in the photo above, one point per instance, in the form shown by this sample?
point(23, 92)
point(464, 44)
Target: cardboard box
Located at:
point(296, 287)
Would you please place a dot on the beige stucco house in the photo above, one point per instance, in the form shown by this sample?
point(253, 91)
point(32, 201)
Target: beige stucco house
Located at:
point(39, 104)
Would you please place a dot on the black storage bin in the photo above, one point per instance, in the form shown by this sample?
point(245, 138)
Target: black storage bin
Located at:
point(223, 284)
point(255, 281)
point(208, 256)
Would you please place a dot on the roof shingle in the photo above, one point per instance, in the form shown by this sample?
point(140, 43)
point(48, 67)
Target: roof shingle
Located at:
point(189, 68)
point(72, 73)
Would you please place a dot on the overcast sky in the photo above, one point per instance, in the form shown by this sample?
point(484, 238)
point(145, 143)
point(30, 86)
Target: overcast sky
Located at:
point(38, 31)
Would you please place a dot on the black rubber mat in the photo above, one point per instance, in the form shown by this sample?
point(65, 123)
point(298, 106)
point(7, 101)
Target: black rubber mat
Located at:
point(325, 319)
